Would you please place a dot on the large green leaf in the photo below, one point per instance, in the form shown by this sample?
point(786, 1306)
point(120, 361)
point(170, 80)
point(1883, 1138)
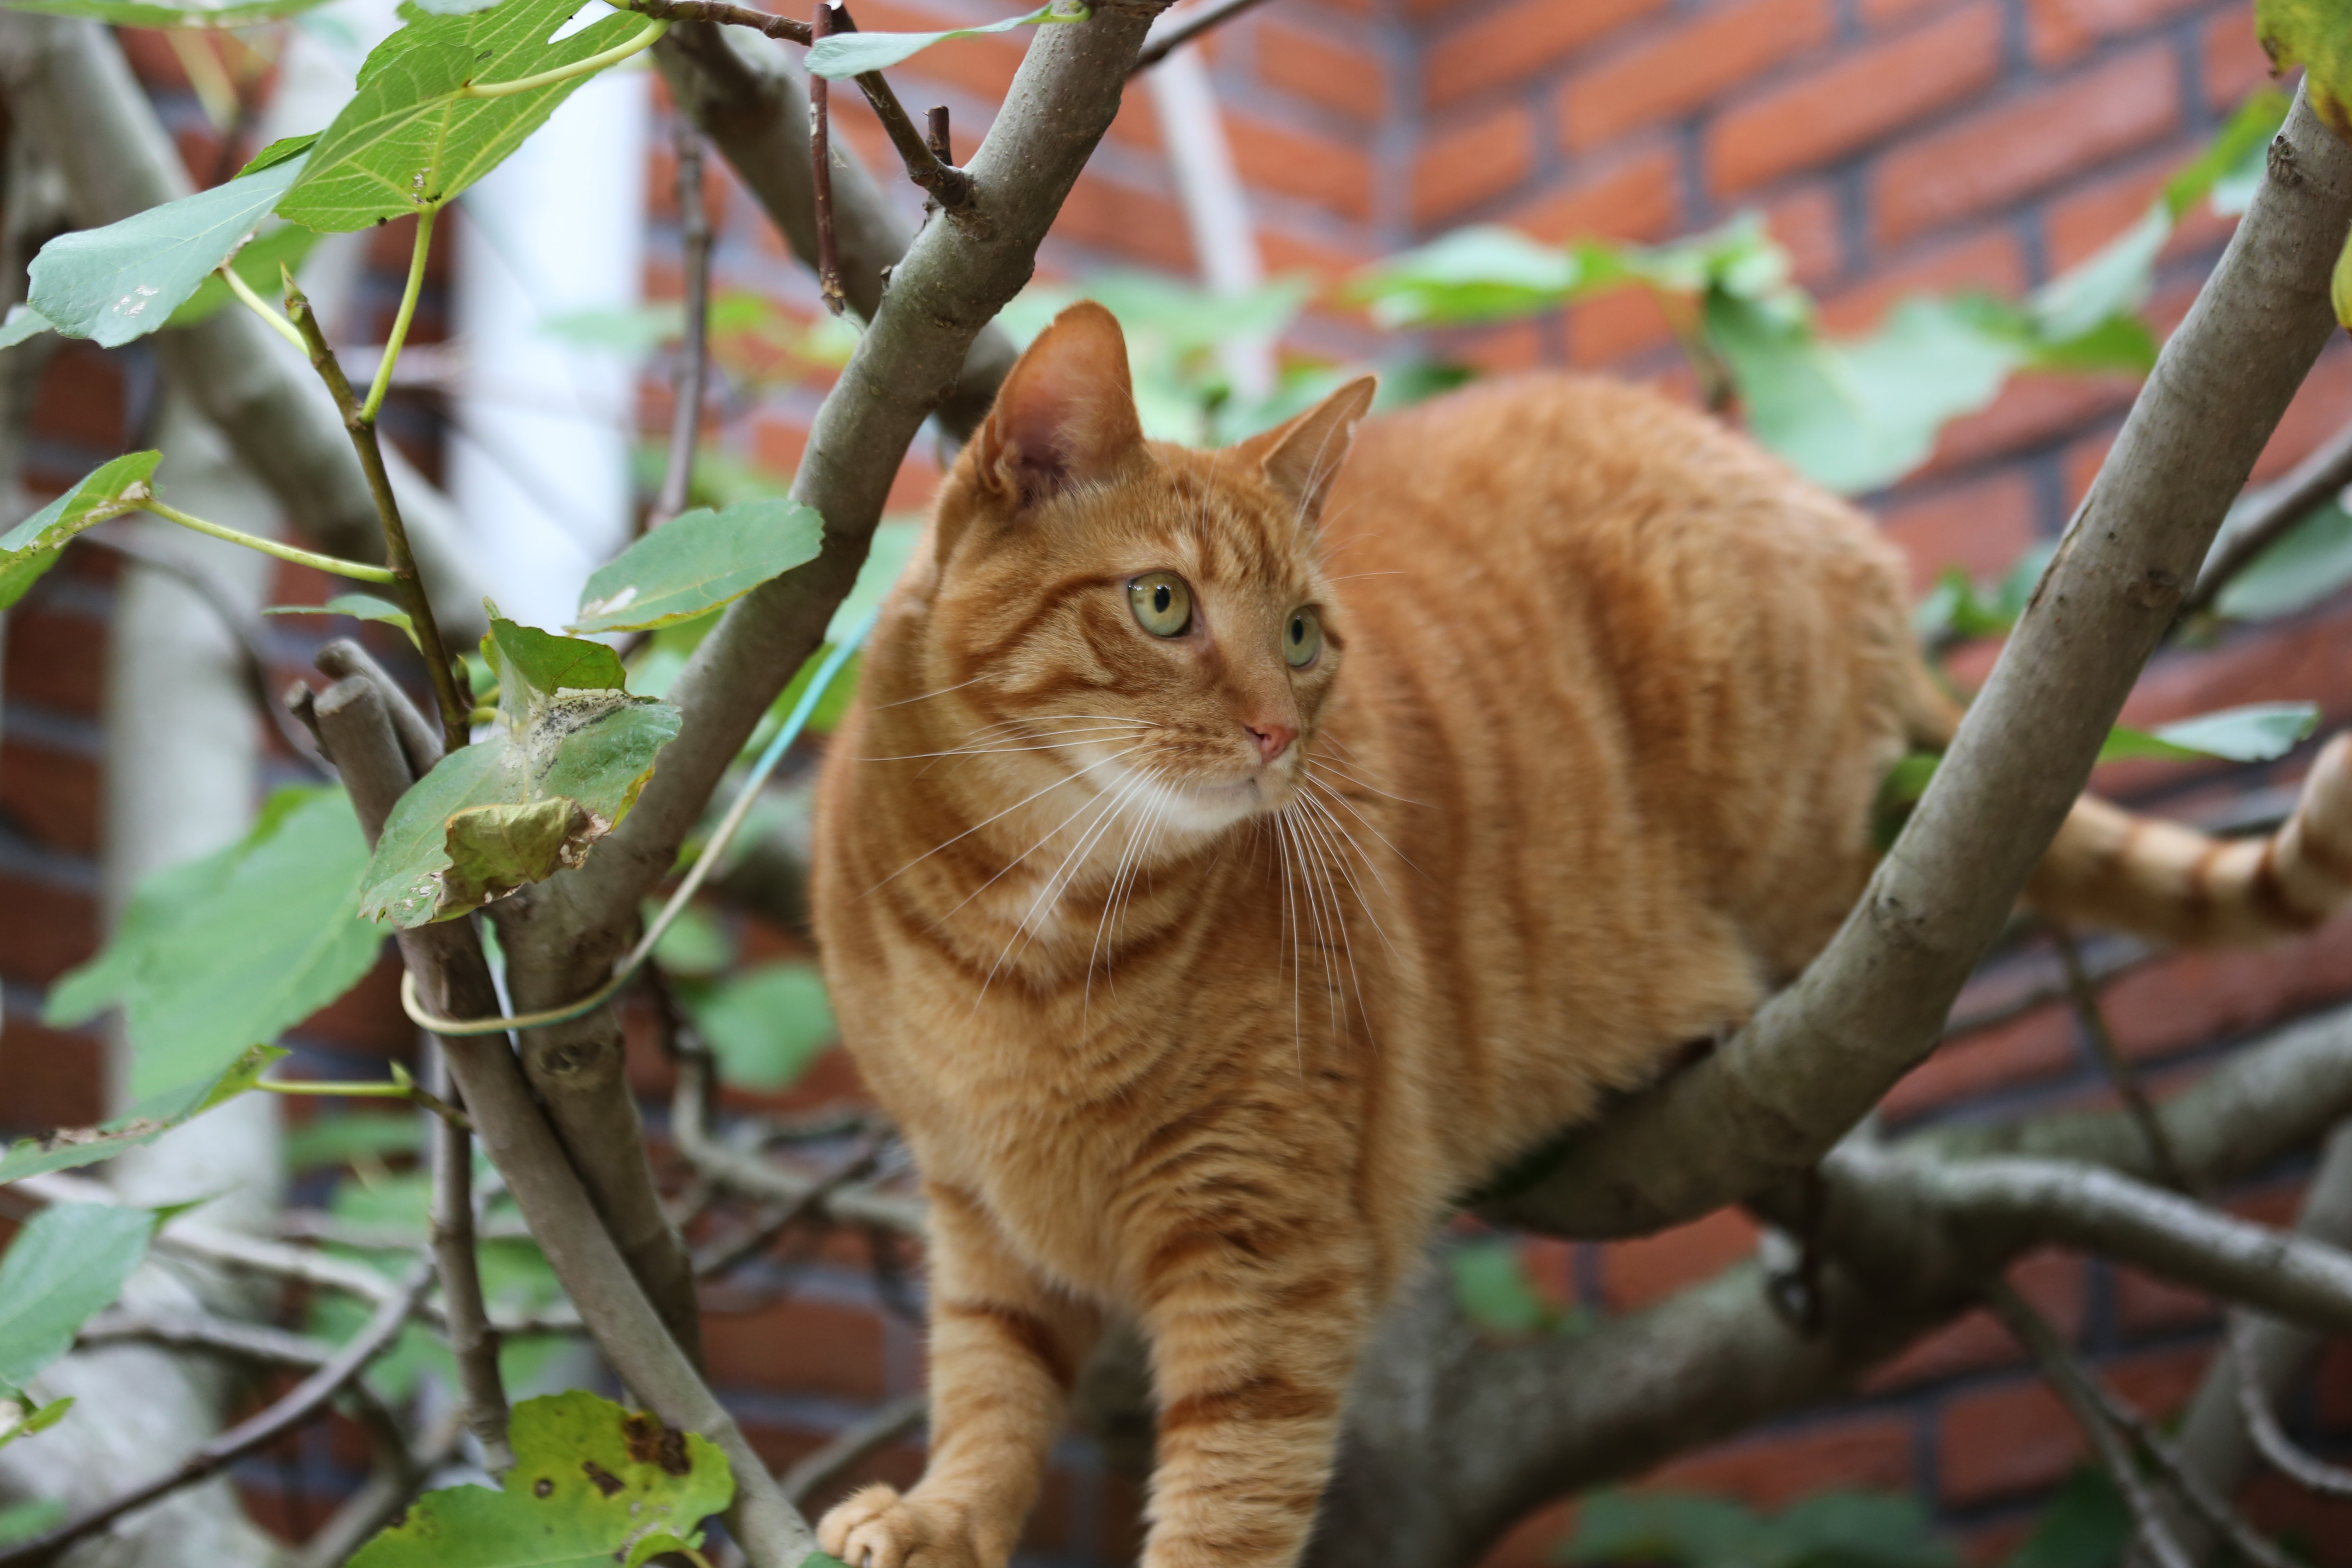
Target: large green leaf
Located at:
point(410, 139)
point(2302, 566)
point(230, 951)
point(696, 562)
point(143, 14)
point(66, 1265)
point(570, 750)
point(257, 264)
point(2317, 36)
point(23, 321)
point(766, 1026)
point(114, 284)
point(149, 1119)
point(2256, 732)
point(592, 1486)
point(846, 55)
point(31, 549)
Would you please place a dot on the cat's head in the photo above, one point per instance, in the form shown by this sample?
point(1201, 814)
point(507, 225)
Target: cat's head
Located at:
point(1152, 616)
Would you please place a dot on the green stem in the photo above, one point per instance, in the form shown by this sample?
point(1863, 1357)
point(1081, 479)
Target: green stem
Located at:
point(588, 66)
point(383, 382)
point(259, 306)
point(400, 1088)
point(301, 557)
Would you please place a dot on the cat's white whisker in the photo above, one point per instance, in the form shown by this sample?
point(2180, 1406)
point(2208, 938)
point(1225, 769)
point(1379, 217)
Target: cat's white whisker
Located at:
point(1058, 784)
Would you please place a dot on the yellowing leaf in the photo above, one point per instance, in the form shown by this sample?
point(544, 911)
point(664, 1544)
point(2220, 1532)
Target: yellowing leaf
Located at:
point(2317, 36)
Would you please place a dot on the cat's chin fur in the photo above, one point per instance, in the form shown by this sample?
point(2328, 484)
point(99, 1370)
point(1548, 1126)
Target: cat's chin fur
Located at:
point(1182, 1023)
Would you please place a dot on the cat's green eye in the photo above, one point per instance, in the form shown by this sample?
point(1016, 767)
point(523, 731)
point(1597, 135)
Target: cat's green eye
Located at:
point(1302, 638)
point(1162, 603)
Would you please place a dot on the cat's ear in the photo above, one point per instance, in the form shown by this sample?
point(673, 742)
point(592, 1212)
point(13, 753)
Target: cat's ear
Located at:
point(1066, 415)
point(1302, 456)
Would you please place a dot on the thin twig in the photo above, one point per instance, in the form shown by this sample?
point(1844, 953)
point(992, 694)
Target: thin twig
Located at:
point(401, 1086)
point(725, 1257)
point(2268, 515)
point(256, 1343)
point(2093, 1019)
point(936, 133)
point(2066, 1380)
point(783, 29)
point(2262, 1423)
point(694, 355)
point(308, 1400)
point(929, 162)
point(828, 246)
point(472, 1341)
point(1182, 33)
point(405, 583)
point(852, 1444)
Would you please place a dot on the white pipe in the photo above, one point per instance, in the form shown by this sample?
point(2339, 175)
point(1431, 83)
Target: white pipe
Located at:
point(1216, 209)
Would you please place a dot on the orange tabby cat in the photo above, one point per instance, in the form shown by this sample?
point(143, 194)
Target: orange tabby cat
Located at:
point(1234, 857)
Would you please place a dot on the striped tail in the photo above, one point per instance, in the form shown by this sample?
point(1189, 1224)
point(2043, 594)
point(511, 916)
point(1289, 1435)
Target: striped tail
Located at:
point(2173, 884)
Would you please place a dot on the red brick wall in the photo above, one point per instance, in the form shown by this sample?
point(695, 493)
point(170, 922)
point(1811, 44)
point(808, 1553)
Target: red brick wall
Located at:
point(1893, 145)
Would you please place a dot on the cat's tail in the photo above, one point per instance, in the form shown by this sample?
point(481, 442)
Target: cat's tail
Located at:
point(2113, 868)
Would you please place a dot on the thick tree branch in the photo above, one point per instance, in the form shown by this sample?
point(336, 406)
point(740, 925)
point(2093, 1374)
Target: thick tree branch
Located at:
point(1820, 1053)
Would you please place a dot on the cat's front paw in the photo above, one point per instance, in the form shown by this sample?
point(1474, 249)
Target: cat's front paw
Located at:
point(876, 1528)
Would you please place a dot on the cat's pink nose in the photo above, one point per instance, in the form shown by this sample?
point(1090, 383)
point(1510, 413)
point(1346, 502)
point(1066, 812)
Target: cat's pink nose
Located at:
point(1271, 738)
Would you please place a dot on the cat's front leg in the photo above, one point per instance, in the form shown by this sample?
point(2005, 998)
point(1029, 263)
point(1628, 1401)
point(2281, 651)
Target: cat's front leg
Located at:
point(1005, 1348)
point(1254, 1334)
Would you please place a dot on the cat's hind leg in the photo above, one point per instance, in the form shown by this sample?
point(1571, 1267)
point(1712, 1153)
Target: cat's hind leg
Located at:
point(1005, 1348)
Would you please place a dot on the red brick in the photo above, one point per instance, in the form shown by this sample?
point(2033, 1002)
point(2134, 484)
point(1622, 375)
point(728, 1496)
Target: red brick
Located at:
point(1633, 196)
point(1774, 1470)
point(2234, 64)
point(47, 1079)
point(2017, 1438)
point(2020, 145)
point(2032, 409)
point(2146, 1305)
point(2319, 1525)
point(1828, 113)
point(1499, 350)
point(367, 1018)
point(57, 659)
point(2033, 1048)
point(1138, 225)
point(661, 187)
point(802, 1345)
point(2321, 408)
point(1673, 72)
point(1321, 69)
point(81, 402)
point(1286, 252)
point(1513, 43)
point(1299, 164)
point(2059, 30)
point(1636, 1273)
point(1879, 13)
point(1616, 327)
point(1988, 259)
point(1982, 528)
point(1806, 222)
point(44, 930)
point(2185, 999)
point(2052, 1281)
point(2333, 1383)
point(51, 794)
point(1471, 163)
point(2078, 225)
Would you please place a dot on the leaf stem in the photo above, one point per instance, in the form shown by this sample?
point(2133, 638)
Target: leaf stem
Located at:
point(259, 306)
point(297, 555)
point(401, 1086)
point(588, 66)
point(406, 585)
point(407, 312)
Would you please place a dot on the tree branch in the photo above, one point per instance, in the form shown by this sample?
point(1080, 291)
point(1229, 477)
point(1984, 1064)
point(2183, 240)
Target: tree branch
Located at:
point(472, 1341)
point(1179, 31)
point(694, 352)
point(2264, 517)
point(805, 1481)
point(1819, 1055)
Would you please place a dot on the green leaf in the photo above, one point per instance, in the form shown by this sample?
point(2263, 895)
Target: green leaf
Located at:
point(361, 606)
point(149, 1119)
point(570, 744)
point(2340, 285)
point(22, 322)
point(257, 263)
point(66, 1265)
point(25, 1421)
point(590, 1480)
point(2086, 1525)
point(2317, 36)
point(696, 562)
point(24, 1520)
point(31, 549)
point(2308, 563)
point(234, 948)
point(1486, 273)
point(1834, 1529)
point(410, 139)
point(2256, 732)
point(694, 946)
point(141, 13)
point(845, 55)
point(114, 284)
point(1492, 1287)
point(766, 1026)
point(285, 149)
point(2241, 147)
point(338, 1140)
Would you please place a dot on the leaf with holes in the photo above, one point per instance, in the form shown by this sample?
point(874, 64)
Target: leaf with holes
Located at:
point(592, 1486)
point(66, 1266)
point(570, 750)
point(697, 561)
point(231, 950)
point(31, 549)
point(846, 55)
point(2317, 36)
point(411, 139)
point(114, 284)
